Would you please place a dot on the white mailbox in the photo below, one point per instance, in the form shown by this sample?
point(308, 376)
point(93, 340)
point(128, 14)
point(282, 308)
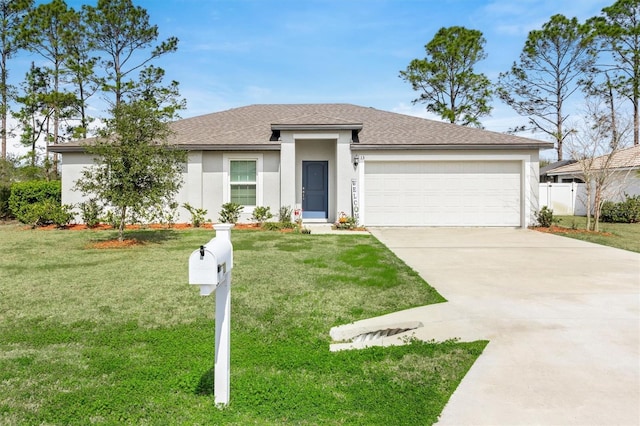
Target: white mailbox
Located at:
point(210, 264)
point(210, 267)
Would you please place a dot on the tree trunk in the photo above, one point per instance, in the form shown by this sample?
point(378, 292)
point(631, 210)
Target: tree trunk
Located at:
point(596, 209)
point(123, 214)
point(559, 129)
point(588, 188)
point(5, 102)
point(612, 112)
point(636, 121)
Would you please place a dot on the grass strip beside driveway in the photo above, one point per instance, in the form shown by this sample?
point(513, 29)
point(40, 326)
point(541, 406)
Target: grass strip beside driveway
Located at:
point(625, 236)
point(118, 336)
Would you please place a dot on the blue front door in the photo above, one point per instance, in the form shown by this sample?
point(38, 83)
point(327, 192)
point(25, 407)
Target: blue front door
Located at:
point(315, 189)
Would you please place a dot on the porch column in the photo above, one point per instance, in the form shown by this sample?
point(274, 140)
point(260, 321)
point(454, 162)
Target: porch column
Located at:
point(345, 171)
point(288, 172)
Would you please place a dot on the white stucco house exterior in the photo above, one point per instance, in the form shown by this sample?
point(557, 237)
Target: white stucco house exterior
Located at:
point(385, 168)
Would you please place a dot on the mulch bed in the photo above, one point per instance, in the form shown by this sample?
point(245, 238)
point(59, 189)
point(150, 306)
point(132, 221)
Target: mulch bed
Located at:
point(132, 242)
point(553, 229)
point(104, 226)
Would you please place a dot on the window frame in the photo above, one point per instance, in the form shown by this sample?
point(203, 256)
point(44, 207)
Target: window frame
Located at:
point(227, 159)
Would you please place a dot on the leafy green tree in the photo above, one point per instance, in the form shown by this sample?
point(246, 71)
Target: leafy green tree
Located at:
point(136, 169)
point(81, 74)
point(33, 114)
point(552, 63)
point(618, 30)
point(123, 33)
point(44, 30)
point(12, 13)
point(446, 79)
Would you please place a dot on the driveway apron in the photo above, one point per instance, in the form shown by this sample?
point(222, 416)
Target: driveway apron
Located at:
point(562, 317)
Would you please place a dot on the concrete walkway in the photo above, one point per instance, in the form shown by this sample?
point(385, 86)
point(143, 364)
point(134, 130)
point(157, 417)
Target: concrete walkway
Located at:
point(562, 317)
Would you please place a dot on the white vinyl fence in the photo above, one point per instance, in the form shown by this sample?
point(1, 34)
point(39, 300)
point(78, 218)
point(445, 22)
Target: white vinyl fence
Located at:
point(564, 198)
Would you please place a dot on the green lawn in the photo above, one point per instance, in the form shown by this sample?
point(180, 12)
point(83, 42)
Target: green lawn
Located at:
point(117, 336)
point(625, 236)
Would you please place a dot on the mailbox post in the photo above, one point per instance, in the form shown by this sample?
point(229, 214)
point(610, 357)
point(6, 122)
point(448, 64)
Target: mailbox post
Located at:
point(210, 267)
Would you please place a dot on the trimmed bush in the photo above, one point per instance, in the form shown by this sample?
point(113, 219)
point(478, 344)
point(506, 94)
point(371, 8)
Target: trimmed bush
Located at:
point(24, 195)
point(47, 212)
point(261, 214)
point(91, 212)
point(545, 217)
point(5, 193)
point(627, 211)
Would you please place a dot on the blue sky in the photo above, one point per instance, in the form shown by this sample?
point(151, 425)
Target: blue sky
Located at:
point(241, 52)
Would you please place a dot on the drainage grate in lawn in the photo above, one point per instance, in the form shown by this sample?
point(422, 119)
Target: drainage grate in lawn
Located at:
point(377, 334)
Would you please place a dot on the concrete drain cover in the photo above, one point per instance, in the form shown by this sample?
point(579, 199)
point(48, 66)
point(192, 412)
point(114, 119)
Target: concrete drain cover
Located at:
point(365, 337)
point(356, 333)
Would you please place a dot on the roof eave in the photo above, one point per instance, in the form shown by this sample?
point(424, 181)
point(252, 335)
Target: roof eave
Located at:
point(580, 172)
point(228, 147)
point(362, 147)
point(187, 147)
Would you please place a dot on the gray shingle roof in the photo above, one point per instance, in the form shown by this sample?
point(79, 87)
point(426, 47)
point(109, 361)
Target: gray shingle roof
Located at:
point(251, 126)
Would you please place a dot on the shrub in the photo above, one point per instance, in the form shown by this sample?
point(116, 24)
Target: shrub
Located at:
point(61, 215)
point(47, 212)
point(284, 215)
point(545, 217)
point(261, 214)
point(112, 219)
point(90, 212)
point(170, 214)
point(26, 194)
point(631, 208)
point(230, 212)
point(609, 212)
point(627, 211)
point(5, 193)
point(197, 215)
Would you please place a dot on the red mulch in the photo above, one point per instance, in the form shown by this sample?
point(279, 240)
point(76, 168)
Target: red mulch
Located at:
point(110, 244)
point(553, 229)
point(103, 226)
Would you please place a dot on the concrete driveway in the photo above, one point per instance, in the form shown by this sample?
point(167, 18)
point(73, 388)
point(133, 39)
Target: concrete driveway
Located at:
point(562, 317)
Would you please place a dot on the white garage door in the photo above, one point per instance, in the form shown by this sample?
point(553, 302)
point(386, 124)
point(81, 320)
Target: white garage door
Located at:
point(442, 193)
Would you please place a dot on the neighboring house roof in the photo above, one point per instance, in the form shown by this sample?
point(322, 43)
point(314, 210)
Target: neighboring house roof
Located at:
point(252, 127)
point(544, 170)
point(623, 159)
point(552, 166)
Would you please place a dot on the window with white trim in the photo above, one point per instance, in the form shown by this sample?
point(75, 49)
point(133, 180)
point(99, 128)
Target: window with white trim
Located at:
point(243, 182)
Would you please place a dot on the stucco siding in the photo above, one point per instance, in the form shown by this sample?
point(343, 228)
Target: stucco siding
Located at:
point(73, 164)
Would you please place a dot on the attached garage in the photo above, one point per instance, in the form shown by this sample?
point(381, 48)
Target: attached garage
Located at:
point(443, 193)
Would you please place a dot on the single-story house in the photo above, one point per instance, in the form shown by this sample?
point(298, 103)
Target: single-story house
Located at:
point(384, 168)
point(623, 173)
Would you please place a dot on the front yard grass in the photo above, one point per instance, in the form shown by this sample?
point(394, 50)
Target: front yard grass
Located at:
point(624, 236)
point(117, 336)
